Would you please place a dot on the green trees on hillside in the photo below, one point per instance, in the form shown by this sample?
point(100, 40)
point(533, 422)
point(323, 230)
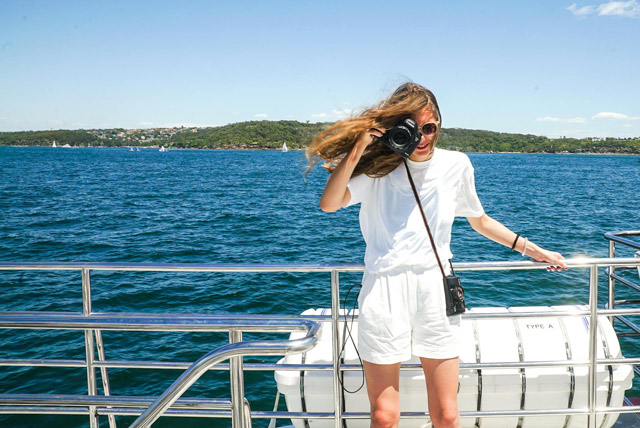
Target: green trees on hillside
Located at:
point(266, 134)
point(471, 140)
point(46, 138)
point(261, 134)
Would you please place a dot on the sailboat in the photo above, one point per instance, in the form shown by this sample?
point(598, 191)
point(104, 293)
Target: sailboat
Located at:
point(54, 144)
point(284, 147)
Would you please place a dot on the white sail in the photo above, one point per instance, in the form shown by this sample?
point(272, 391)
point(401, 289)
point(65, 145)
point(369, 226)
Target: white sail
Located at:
point(284, 147)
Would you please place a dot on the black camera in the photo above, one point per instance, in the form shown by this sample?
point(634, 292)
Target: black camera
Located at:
point(403, 138)
point(454, 295)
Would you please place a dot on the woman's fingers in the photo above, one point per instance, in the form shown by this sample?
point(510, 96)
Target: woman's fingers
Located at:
point(375, 132)
point(560, 263)
point(368, 136)
point(556, 260)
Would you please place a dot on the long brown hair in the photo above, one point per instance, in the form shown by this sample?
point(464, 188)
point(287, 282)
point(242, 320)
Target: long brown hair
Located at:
point(333, 144)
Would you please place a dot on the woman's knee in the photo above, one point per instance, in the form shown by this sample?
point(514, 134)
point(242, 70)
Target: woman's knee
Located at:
point(384, 417)
point(446, 417)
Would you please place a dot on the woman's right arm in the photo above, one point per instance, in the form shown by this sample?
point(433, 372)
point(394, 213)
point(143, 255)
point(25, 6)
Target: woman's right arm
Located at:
point(336, 193)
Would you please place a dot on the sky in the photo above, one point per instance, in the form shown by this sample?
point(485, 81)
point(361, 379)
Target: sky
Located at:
point(546, 67)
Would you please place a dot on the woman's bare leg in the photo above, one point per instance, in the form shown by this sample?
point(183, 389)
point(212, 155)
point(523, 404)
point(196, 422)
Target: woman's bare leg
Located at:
point(382, 388)
point(442, 388)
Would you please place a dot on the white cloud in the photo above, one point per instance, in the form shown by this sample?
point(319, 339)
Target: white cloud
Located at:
point(630, 9)
point(343, 113)
point(261, 116)
point(558, 120)
point(548, 119)
point(627, 9)
point(334, 115)
point(614, 116)
point(145, 124)
point(581, 12)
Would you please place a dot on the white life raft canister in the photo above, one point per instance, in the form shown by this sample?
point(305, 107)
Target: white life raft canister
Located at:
point(486, 341)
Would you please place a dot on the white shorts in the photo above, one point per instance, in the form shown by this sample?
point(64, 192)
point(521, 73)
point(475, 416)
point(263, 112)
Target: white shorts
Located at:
point(402, 313)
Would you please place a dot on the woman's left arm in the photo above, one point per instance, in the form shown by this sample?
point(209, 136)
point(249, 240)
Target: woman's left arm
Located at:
point(499, 233)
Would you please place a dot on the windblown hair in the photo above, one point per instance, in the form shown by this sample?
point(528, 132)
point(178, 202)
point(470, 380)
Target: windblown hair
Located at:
point(333, 144)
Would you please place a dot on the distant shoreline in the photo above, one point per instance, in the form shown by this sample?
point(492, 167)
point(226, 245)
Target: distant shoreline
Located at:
point(273, 135)
point(170, 149)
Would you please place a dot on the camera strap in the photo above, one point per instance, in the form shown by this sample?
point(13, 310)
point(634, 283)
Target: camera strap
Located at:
point(424, 217)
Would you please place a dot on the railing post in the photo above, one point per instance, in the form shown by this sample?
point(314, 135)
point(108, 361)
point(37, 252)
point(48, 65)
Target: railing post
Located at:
point(593, 349)
point(89, 346)
point(611, 282)
point(106, 386)
point(335, 330)
point(237, 383)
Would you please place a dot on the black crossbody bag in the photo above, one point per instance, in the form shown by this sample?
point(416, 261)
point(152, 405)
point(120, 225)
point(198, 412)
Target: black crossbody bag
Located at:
point(453, 291)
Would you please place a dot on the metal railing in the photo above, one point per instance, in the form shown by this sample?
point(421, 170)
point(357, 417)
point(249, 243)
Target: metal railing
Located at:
point(94, 323)
point(149, 408)
point(622, 238)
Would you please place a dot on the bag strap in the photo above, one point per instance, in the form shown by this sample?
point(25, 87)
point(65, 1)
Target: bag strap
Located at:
point(424, 218)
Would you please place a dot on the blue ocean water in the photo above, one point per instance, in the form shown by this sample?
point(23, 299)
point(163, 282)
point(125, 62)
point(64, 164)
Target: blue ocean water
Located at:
point(113, 205)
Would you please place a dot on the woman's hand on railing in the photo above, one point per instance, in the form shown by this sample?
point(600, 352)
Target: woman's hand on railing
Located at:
point(541, 255)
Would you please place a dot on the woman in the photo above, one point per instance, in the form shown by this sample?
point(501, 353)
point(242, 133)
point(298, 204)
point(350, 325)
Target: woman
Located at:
point(402, 307)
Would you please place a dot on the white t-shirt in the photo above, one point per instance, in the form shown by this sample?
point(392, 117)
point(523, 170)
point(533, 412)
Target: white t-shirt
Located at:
point(391, 222)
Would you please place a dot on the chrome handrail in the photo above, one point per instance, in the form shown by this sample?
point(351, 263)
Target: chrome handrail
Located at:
point(90, 321)
point(621, 237)
point(256, 348)
point(140, 322)
point(577, 262)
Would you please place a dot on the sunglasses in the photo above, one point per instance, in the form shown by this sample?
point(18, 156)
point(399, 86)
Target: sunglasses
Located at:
point(429, 128)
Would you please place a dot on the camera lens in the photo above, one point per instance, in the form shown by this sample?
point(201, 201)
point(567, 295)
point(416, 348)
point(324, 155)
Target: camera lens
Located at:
point(400, 137)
